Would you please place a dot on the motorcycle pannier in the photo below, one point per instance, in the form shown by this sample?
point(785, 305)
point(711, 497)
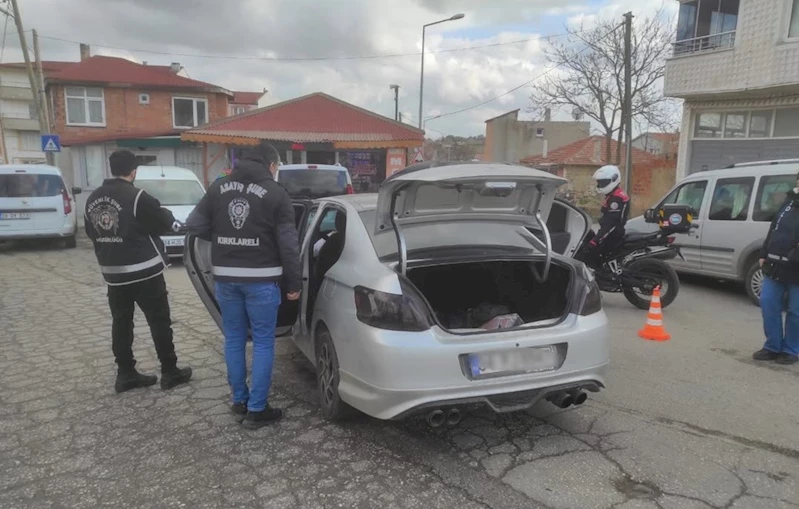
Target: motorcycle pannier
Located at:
point(671, 218)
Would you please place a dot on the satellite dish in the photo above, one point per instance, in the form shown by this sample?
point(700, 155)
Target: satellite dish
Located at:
point(577, 114)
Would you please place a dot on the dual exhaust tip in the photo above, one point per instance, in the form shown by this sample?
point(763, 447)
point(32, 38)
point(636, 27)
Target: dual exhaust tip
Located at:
point(561, 399)
point(565, 399)
point(439, 417)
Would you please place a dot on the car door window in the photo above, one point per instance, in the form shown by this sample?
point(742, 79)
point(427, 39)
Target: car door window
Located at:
point(731, 199)
point(690, 194)
point(771, 194)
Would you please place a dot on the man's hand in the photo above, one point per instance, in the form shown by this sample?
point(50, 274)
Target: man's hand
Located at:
point(176, 226)
point(293, 296)
point(762, 261)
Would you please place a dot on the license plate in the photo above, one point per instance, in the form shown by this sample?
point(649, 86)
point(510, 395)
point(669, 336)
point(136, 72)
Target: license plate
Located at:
point(14, 215)
point(513, 361)
point(173, 242)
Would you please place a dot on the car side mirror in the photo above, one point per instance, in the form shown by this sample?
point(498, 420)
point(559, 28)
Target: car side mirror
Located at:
point(651, 215)
point(76, 190)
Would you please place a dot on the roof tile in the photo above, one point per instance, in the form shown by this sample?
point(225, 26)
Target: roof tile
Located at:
point(591, 151)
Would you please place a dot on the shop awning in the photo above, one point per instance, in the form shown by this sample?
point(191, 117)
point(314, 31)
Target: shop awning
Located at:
point(165, 142)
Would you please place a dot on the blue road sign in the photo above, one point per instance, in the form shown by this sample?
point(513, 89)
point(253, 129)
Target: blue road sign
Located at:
point(51, 143)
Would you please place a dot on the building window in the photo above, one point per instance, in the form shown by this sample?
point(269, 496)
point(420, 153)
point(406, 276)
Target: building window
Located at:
point(705, 25)
point(735, 125)
point(760, 124)
point(30, 140)
point(786, 123)
point(238, 110)
point(189, 112)
point(731, 199)
point(708, 125)
point(85, 106)
point(793, 29)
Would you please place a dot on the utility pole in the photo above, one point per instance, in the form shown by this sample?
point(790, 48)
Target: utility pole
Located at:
point(395, 88)
point(43, 109)
point(628, 101)
point(43, 124)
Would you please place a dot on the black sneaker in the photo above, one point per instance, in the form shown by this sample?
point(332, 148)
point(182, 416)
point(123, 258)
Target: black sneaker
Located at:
point(127, 380)
point(762, 355)
point(255, 420)
point(175, 377)
point(786, 359)
point(239, 411)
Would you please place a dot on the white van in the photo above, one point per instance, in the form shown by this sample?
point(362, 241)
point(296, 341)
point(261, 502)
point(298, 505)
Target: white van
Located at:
point(314, 181)
point(178, 190)
point(35, 203)
point(734, 208)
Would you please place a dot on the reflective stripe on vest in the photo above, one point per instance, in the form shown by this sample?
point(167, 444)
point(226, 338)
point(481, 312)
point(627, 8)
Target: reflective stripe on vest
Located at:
point(127, 269)
point(777, 257)
point(248, 272)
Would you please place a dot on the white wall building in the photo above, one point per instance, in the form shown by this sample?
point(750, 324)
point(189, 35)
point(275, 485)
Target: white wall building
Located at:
point(19, 124)
point(736, 65)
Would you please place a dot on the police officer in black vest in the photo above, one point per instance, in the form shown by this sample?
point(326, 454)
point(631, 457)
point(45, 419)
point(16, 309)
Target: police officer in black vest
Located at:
point(780, 261)
point(124, 223)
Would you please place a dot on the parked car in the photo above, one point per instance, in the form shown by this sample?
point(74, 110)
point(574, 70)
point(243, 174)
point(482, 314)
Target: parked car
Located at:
point(734, 207)
point(179, 190)
point(407, 310)
point(314, 181)
point(36, 203)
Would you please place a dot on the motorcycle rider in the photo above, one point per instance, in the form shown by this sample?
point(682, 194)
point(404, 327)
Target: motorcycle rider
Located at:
point(615, 211)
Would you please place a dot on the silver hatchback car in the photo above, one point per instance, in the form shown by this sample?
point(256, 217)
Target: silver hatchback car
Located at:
point(453, 286)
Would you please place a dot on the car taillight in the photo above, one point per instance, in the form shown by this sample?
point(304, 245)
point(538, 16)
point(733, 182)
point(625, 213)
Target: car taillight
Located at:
point(390, 311)
point(592, 300)
point(350, 190)
point(67, 202)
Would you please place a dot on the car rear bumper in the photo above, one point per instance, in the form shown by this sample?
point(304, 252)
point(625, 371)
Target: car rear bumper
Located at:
point(68, 230)
point(399, 374)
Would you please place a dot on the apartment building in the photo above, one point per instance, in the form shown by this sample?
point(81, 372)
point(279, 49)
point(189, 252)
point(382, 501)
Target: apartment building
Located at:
point(736, 65)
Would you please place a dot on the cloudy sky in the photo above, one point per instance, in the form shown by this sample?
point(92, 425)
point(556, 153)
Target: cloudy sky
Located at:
point(351, 49)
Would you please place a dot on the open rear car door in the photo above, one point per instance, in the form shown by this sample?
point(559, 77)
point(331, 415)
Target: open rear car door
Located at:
point(197, 259)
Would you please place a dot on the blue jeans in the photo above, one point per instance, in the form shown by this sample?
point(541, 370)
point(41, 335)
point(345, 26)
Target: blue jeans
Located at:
point(256, 305)
point(779, 339)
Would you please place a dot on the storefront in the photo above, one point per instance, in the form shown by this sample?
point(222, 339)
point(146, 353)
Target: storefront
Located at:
point(318, 129)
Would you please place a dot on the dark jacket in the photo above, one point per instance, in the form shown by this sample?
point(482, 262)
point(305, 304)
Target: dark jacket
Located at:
point(125, 224)
point(781, 247)
point(250, 222)
point(615, 211)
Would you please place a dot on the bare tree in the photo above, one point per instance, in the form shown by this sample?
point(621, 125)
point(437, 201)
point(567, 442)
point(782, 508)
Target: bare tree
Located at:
point(590, 74)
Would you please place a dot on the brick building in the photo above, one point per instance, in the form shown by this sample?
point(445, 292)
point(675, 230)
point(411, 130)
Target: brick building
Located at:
point(652, 177)
point(242, 102)
point(508, 139)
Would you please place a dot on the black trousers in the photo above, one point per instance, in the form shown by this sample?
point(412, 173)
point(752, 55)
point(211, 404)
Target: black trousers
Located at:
point(151, 297)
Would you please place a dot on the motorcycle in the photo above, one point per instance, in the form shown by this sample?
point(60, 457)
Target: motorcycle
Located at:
point(639, 264)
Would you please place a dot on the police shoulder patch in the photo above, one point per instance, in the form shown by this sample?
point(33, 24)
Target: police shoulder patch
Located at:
point(614, 205)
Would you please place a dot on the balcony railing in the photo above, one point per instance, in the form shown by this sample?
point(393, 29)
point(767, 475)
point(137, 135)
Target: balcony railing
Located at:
point(706, 43)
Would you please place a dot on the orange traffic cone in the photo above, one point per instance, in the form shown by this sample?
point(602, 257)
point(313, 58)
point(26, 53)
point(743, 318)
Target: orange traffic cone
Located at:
point(653, 329)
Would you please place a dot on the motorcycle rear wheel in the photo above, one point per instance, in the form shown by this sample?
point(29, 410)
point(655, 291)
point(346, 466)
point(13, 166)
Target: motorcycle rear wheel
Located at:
point(658, 273)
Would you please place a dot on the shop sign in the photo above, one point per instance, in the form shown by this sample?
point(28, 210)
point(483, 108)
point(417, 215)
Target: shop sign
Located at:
point(395, 161)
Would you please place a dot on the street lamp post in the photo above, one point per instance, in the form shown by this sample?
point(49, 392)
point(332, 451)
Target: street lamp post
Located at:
point(395, 88)
point(421, 80)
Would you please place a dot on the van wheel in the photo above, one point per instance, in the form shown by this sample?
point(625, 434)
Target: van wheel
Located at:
point(327, 379)
point(754, 282)
point(71, 242)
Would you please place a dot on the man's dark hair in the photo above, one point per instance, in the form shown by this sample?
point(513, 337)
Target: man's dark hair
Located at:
point(122, 163)
point(263, 153)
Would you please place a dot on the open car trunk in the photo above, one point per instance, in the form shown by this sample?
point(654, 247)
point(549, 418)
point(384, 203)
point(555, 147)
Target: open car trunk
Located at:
point(485, 295)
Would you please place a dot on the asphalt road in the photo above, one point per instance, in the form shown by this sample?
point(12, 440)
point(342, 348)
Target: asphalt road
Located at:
point(688, 423)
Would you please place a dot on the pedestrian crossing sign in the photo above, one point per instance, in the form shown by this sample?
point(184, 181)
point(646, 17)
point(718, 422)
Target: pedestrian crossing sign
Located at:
point(51, 143)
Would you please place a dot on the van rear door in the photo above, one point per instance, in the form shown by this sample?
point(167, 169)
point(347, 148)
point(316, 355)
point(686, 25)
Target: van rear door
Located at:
point(31, 201)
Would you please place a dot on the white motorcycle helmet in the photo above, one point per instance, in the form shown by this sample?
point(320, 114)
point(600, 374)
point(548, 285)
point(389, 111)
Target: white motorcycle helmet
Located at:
point(607, 178)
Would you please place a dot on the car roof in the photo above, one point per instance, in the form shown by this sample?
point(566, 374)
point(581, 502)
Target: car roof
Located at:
point(333, 167)
point(41, 169)
point(360, 202)
point(164, 172)
point(749, 169)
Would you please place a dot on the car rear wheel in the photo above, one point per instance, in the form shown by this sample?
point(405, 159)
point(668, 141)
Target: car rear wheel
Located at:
point(71, 242)
point(754, 282)
point(327, 379)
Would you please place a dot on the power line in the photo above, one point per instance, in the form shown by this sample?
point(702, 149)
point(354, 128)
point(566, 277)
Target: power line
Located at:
point(514, 89)
point(310, 59)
